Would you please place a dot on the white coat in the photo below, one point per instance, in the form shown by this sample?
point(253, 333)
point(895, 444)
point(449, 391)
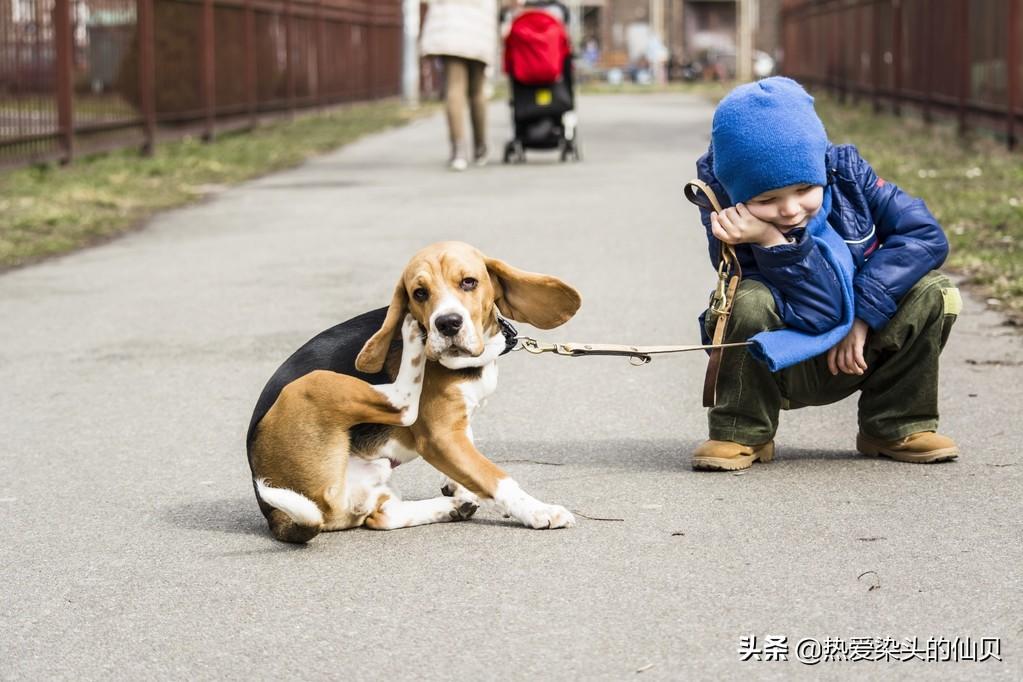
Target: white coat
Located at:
point(460, 28)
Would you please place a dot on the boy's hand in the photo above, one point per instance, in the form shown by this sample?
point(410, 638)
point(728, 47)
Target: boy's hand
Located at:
point(736, 225)
point(847, 354)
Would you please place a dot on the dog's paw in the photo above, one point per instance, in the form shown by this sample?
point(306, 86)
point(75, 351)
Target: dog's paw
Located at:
point(549, 516)
point(462, 509)
point(412, 333)
point(452, 489)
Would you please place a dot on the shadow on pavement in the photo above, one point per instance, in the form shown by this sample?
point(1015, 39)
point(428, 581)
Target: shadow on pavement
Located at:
point(664, 455)
point(235, 515)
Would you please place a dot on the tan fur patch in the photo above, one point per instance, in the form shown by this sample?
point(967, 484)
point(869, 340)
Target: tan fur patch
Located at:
point(441, 436)
point(378, 519)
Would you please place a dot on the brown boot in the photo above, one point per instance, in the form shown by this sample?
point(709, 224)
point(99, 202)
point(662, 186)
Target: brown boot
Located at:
point(724, 455)
point(925, 447)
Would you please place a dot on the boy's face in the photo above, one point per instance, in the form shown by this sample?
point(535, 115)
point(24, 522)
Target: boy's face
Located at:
point(787, 207)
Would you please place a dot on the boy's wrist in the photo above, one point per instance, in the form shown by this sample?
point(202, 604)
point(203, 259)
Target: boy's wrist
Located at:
point(774, 237)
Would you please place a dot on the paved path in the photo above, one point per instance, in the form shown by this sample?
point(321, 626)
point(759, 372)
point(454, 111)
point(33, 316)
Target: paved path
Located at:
point(132, 547)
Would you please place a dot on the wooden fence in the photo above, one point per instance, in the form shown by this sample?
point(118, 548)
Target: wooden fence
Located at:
point(87, 74)
point(959, 58)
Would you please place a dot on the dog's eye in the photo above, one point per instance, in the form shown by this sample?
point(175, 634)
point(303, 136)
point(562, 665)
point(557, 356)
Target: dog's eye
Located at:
point(469, 283)
point(420, 294)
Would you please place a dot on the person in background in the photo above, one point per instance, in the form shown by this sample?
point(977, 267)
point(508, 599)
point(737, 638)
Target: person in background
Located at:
point(463, 33)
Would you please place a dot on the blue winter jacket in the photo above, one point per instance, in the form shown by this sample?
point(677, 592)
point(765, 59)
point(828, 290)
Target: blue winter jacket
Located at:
point(893, 238)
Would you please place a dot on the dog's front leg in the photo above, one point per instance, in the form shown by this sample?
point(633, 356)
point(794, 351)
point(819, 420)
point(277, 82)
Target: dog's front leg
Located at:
point(453, 453)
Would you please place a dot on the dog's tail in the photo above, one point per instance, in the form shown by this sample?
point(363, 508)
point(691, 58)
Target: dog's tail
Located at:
point(294, 518)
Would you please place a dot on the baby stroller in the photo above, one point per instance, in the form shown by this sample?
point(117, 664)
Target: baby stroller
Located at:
point(538, 61)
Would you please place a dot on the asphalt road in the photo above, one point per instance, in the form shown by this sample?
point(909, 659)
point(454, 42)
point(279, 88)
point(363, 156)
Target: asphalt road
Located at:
point(133, 548)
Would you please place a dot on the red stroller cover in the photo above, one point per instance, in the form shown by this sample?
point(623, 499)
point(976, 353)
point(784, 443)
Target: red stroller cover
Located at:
point(535, 49)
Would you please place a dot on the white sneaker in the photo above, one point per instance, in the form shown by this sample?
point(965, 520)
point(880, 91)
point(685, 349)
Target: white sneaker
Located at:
point(458, 164)
point(568, 122)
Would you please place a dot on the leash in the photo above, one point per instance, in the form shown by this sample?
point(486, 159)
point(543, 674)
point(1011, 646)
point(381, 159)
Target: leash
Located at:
point(721, 301)
point(638, 355)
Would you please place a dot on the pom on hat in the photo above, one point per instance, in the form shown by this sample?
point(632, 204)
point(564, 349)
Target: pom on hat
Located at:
point(767, 135)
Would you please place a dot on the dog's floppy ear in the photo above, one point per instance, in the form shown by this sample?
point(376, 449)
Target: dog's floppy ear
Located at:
point(540, 300)
point(371, 357)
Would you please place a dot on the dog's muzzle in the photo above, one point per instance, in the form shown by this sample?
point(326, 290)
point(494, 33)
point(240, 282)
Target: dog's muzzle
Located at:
point(449, 325)
point(451, 334)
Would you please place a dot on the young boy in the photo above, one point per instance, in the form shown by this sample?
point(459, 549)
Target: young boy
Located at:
point(837, 286)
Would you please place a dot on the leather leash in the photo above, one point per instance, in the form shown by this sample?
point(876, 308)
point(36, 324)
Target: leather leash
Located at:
point(721, 301)
point(639, 355)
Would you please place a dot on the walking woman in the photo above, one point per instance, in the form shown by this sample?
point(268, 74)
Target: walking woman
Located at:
point(463, 33)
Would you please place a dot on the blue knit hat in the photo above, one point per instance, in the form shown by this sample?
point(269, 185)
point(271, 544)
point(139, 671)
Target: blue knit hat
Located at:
point(766, 135)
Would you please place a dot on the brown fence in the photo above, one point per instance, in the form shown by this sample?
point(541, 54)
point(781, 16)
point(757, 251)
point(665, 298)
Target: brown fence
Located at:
point(953, 57)
point(105, 73)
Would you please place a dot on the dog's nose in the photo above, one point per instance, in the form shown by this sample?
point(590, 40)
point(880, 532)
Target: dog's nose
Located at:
point(449, 324)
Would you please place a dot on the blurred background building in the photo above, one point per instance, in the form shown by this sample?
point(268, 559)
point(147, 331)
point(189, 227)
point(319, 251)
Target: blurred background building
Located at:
point(703, 34)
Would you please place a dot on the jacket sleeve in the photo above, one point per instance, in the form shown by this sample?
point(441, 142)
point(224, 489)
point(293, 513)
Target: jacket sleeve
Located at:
point(807, 284)
point(802, 282)
point(911, 244)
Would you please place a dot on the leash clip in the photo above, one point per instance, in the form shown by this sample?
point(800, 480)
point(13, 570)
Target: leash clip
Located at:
point(533, 346)
point(719, 299)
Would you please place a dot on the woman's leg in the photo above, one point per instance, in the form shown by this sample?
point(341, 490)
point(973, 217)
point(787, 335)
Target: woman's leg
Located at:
point(478, 108)
point(456, 84)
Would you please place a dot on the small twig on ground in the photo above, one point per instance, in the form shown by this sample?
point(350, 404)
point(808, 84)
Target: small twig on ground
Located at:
point(645, 668)
point(872, 538)
point(877, 580)
point(594, 518)
point(995, 363)
point(530, 461)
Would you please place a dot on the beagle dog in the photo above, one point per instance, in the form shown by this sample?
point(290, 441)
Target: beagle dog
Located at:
point(392, 384)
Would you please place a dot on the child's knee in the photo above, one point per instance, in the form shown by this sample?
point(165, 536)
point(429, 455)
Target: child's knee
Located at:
point(754, 310)
point(933, 299)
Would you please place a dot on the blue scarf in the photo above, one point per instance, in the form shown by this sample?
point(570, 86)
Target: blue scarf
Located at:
point(786, 347)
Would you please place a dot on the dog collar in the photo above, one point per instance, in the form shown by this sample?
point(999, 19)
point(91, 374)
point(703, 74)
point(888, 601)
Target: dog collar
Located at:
point(511, 334)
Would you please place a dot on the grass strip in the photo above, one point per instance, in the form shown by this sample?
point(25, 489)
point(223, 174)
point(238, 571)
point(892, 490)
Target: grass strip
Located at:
point(47, 210)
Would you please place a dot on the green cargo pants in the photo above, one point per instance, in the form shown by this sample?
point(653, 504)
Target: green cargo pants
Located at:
point(898, 391)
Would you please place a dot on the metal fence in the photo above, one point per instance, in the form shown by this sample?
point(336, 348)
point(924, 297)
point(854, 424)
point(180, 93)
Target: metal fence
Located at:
point(87, 74)
point(959, 58)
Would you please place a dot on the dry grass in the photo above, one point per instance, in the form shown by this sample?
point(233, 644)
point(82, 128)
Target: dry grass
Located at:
point(48, 210)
